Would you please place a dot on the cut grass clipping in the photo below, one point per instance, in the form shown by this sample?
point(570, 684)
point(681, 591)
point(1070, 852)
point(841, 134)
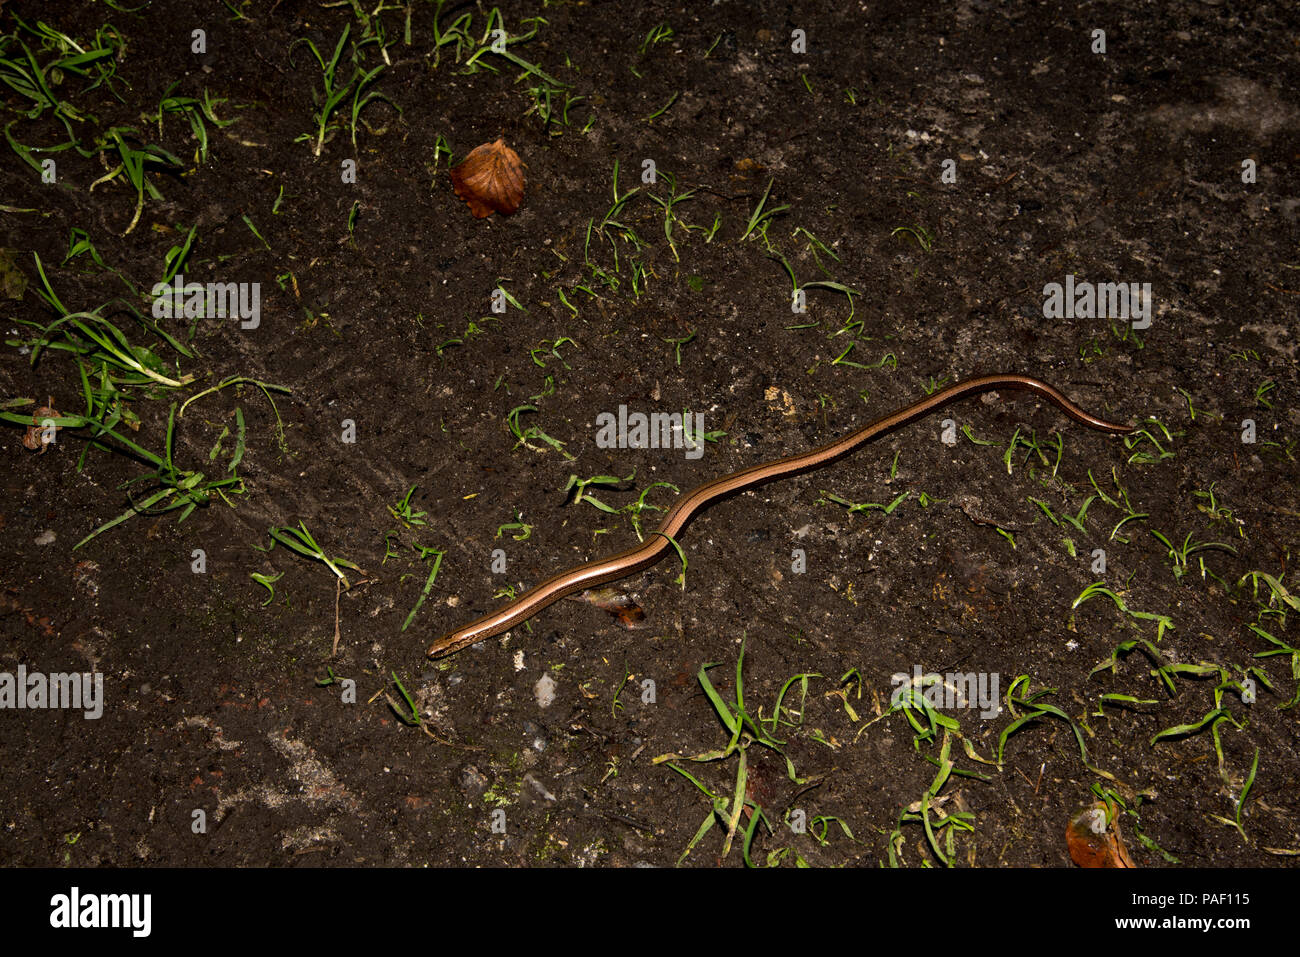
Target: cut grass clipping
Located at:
point(302, 542)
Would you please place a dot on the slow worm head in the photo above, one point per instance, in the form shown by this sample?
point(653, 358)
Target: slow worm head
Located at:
point(652, 549)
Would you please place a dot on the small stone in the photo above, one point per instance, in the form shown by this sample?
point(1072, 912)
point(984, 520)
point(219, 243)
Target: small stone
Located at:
point(545, 691)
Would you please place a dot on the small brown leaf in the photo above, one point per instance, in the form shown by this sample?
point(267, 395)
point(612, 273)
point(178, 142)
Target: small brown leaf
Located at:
point(39, 434)
point(622, 606)
point(490, 179)
point(1094, 840)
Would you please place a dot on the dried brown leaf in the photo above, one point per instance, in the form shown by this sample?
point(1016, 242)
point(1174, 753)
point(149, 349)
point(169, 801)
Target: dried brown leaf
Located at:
point(1094, 840)
point(490, 179)
point(38, 434)
point(622, 606)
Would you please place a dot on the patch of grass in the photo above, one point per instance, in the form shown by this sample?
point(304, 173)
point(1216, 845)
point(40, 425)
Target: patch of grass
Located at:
point(1098, 589)
point(941, 828)
point(79, 244)
point(372, 25)
point(35, 81)
point(1280, 647)
point(745, 730)
point(455, 34)
point(634, 509)
point(428, 583)
point(340, 81)
point(579, 488)
point(238, 382)
point(1079, 520)
point(1038, 708)
point(521, 530)
point(175, 488)
point(1179, 555)
point(923, 237)
point(762, 216)
point(660, 33)
point(1113, 800)
point(27, 154)
point(410, 715)
point(267, 581)
point(665, 108)
point(403, 512)
point(1032, 447)
point(829, 498)
point(551, 98)
point(1146, 434)
point(300, 541)
point(1130, 514)
point(1279, 600)
point(252, 228)
point(1217, 511)
point(198, 113)
point(667, 204)
point(533, 433)
point(101, 348)
point(135, 161)
point(678, 343)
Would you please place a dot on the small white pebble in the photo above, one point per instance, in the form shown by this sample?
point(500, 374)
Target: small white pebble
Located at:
point(545, 691)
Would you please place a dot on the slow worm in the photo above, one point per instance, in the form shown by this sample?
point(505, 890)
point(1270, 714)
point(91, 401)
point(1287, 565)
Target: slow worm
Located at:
point(652, 549)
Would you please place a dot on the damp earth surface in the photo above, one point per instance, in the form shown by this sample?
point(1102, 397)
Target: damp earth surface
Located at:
point(783, 222)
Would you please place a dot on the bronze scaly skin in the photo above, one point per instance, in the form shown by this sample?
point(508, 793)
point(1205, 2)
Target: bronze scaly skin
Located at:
point(642, 556)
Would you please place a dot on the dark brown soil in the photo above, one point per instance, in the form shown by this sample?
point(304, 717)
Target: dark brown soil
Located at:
point(376, 312)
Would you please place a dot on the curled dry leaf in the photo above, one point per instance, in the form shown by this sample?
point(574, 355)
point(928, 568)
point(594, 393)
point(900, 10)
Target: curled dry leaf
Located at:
point(39, 434)
point(490, 179)
point(622, 606)
point(1095, 842)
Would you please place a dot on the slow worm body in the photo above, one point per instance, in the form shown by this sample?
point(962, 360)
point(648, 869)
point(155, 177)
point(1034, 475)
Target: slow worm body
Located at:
point(634, 559)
